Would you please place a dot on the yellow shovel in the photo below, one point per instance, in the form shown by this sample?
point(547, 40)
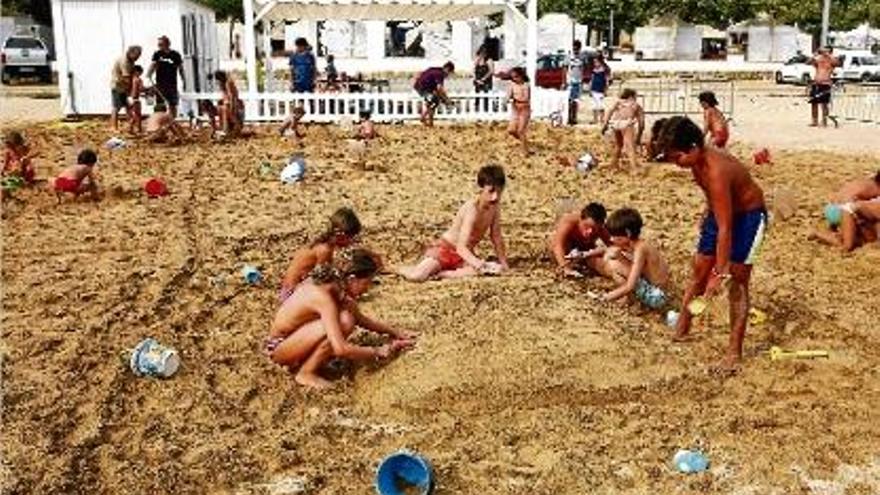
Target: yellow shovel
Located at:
point(777, 354)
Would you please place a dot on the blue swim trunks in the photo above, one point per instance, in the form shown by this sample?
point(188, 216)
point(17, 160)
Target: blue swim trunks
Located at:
point(650, 295)
point(574, 91)
point(748, 233)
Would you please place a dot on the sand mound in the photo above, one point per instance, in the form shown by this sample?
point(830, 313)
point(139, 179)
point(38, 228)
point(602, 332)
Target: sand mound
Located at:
point(518, 385)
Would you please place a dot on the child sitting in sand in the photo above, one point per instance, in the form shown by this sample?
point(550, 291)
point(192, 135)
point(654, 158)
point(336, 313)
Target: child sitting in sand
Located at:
point(627, 122)
point(452, 255)
point(231, 109)
point(162, 128)
point(851, 215)
point(518, 94)
point(343, 230)
point(293, 122)
point(135, 113)
point(574, 241)
point(79, 178)
point(17, 158)
point(314, 323)
point(634, 263)
point(714, 123)
point(366, 131)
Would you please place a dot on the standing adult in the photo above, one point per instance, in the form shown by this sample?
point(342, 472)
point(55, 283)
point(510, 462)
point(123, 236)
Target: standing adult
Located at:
point(302, 67)
point(599, 83)
point(483, 70)
point(167, 63)
point(429, 85)
point(573, 76)
point(820, 91)
point(120, 82)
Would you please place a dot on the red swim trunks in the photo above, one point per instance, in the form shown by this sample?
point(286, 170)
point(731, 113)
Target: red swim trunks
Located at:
point(719, 138)
point(66, 184)
point(444, 252)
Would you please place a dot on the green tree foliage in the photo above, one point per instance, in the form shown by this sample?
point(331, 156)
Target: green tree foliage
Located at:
point(39, 10)
point(227, 9)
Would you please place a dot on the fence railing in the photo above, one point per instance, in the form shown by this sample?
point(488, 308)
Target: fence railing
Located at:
point(384, 107)
point(860, 105)
point(679, 97)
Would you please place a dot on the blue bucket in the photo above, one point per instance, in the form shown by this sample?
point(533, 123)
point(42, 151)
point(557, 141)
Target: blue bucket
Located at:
point(402, 470)
point(833, 215)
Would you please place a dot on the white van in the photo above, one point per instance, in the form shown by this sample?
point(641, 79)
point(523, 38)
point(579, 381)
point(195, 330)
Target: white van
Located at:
point(857, 66)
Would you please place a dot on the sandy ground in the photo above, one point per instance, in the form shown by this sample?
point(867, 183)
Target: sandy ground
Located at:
point(519, 384)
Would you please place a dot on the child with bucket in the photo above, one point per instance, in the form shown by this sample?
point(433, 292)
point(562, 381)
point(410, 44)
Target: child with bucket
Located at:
point(314, 323)
point(850, 214)
point(343, 230)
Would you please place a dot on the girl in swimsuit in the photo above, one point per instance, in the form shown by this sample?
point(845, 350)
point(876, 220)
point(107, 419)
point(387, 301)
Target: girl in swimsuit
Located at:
point(314, 324)
point(627, 121)
point(714, 122)
point(342, 232)
point(520, 97)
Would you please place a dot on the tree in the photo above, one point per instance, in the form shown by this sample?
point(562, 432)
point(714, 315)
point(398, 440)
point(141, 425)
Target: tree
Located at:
point(39, 10)
point(232, 11)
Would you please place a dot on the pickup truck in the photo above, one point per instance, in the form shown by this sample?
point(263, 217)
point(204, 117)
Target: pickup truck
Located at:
point(25, 56)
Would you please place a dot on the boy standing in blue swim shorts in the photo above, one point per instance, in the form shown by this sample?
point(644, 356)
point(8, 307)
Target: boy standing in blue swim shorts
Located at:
point(731, 231)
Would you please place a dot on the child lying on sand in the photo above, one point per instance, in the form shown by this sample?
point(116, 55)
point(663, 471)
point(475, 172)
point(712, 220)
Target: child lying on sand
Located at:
point(314, 323)
point(634, 263)
point(344, 229)
point(574, 241)
point(852, 215)
point(452, 255)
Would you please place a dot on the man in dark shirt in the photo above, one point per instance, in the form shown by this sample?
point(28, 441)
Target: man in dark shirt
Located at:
point(429, 85)
point(167, 63)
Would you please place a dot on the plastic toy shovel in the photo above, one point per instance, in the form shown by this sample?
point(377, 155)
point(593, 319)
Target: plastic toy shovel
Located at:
point(777, 354)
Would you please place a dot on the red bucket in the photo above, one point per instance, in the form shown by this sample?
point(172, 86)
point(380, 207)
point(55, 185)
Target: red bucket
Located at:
point(155, 188)
point(761, 156)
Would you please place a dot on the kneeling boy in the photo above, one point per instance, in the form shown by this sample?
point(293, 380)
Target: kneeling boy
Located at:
point(634, 263)
point(574, 241)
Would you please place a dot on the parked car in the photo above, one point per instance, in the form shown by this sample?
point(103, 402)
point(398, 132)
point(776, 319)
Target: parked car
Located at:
point(550, 69)
point(796, 70)
point(25, 56)
point(859, 66)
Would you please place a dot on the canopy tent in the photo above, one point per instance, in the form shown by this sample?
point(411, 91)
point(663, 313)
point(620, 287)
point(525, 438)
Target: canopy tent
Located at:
point(382, 10)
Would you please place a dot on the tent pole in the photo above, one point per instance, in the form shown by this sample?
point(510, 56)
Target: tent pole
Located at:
point(250, 54)
point(532, 41)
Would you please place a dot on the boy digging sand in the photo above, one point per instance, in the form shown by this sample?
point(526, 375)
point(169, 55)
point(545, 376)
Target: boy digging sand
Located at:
point(634, 263)
point(314, 323)
point(452, 255)
point(79, 178)
point(731, 232)
point(574, 241)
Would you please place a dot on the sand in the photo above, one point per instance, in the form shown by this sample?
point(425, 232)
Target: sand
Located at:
point(519, 384)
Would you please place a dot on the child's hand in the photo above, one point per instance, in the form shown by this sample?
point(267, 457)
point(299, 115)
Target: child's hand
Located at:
point(402, 344)
point(406, 335)
point(491, 268)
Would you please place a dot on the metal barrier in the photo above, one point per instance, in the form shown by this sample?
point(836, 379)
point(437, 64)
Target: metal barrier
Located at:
point(859, 104)
point(679, 97)
point(384, 107)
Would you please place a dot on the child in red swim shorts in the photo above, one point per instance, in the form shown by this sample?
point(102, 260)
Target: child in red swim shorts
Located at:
point(452, 255)
point(79, 178)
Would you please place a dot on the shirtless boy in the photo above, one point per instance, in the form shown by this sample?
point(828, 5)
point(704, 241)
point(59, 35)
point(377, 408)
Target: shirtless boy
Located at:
point(731, 231)
point(314, 323)
point(627, 121)
point(852, 215)
point(714, 123)
point(452, 255)
point(80, 178)
point(161, 126)
point(634, 263)
point(574, 241)
point(820, 90)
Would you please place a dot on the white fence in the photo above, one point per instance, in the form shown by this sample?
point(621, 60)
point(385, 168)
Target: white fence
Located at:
point(384, 107)
point(861, 105)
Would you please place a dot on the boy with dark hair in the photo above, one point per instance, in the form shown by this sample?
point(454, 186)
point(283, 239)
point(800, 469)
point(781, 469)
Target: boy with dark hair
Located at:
point(452, 255)
point(366, 130)
point(429, 85)
point(715, 124)
point(573, 243)
point(634, 263)
point(79, 178)
point(302, 67)
point(293, 122)
point(731, 232)
point(135, 112)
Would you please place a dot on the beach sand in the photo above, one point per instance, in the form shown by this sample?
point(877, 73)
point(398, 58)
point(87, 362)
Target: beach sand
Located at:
point(519, 384)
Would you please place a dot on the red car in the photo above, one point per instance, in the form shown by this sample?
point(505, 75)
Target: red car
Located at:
point(550, 71)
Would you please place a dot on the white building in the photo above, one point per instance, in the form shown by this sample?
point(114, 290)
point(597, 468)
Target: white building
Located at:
point(766, 41)
point(667, 38)
point(90, 35)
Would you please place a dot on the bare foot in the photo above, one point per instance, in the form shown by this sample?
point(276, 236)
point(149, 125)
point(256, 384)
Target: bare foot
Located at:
point(729, 366)
point(814, 124)
point(312, 380)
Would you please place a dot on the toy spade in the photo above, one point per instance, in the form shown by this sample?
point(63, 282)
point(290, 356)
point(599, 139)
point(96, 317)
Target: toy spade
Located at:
point(777, 354)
